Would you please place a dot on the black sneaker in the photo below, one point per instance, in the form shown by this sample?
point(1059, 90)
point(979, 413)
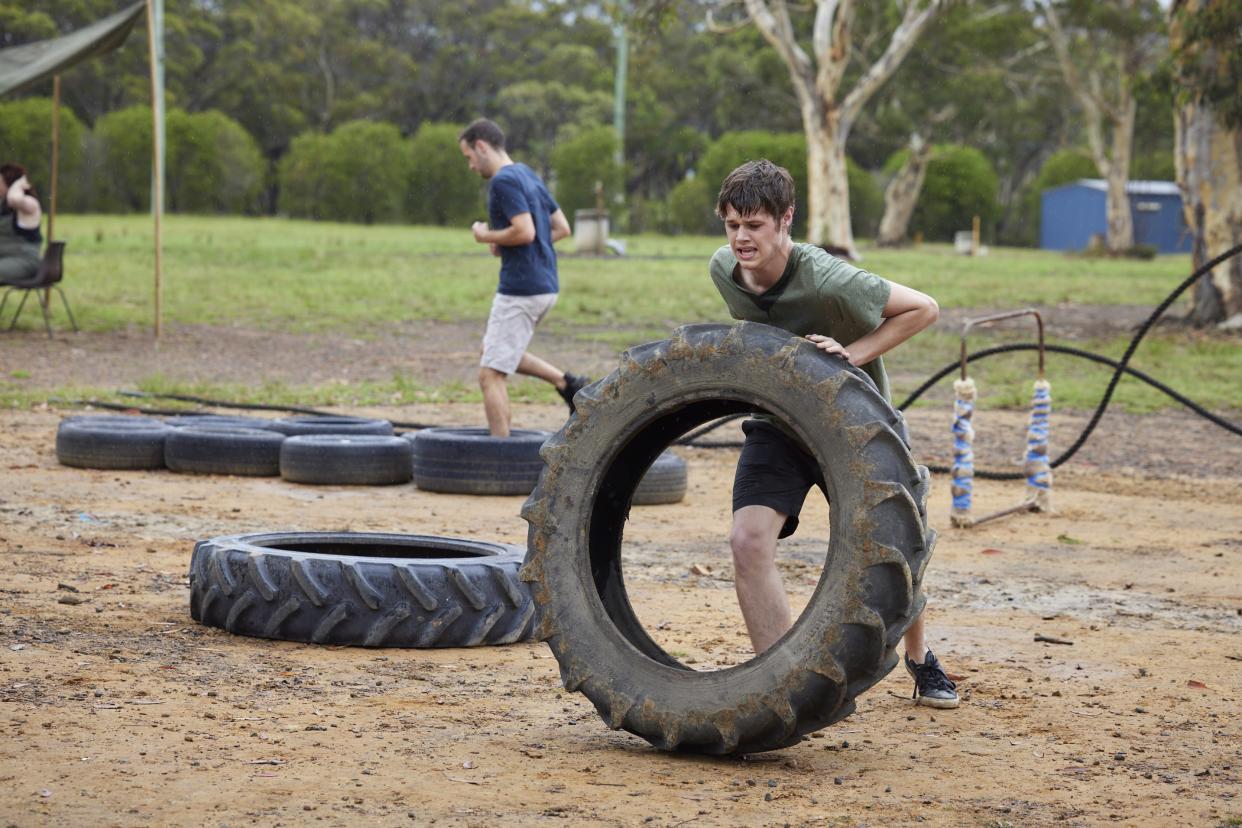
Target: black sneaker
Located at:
point(931, 686)
point(573, 384)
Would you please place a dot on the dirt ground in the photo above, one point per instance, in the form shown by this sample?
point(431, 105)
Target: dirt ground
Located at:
point(117, 709)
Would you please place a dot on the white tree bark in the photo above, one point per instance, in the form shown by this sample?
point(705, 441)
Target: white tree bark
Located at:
point(827, 117)
point(902, 194)
point(1103, 112)
point(1209, 172)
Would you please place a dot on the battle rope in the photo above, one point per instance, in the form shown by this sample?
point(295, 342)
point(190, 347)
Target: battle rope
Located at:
point(963, 470)
point(1038, 471)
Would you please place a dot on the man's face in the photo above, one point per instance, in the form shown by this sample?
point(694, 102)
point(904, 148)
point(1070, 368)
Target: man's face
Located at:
point(481, 158)
point(758, 239)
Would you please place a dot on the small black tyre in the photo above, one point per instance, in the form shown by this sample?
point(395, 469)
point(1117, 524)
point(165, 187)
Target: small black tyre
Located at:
point(342, 459)
point(366, 589)
point(103, 442)
point(472, 461)
point(664, 482)
point(868, 595)
point(252, 452)
point(331, 424)
point(218, 421)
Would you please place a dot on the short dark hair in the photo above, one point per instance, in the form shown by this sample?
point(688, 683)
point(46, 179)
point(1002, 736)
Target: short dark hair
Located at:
point(483, 129)
point(757, 186)
point(11, 172)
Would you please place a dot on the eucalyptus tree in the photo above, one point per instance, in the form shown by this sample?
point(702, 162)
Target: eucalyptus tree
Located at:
point(828, 106)
point(1206, 38)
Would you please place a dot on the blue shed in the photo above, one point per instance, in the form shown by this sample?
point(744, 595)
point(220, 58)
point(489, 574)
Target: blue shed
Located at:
point(1071, 214)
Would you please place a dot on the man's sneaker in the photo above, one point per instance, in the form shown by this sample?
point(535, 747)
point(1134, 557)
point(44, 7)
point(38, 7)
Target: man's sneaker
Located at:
point(573, 384)
point(931, 686)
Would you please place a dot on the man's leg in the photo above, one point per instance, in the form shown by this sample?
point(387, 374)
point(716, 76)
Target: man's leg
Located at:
point(916, 644)
point(932, 686)
point(495, 400)
point(760, 592)
point(533, 366)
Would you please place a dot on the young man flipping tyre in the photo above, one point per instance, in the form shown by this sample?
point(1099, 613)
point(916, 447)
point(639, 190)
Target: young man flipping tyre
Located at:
point(525, 222)
point(763, 276)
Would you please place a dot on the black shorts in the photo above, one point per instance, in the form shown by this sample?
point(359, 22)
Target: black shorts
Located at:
point(774, 471)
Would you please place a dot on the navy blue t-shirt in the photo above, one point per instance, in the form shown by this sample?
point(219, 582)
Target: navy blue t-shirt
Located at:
point(526, 269)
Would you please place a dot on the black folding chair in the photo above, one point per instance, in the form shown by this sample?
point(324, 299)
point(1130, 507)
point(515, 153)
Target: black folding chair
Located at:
point(51, 270)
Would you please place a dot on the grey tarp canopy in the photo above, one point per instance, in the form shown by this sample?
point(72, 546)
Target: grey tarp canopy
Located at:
point(21, 67)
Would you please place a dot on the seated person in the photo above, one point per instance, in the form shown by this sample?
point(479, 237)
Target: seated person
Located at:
point(20, 216)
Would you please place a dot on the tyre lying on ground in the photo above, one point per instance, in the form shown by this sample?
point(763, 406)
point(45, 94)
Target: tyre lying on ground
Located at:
point(368, 589)
point(364, 459)
point(472, 461)
point(253, 452)
point(111, 442)
point(218, 420)
point(868, 595)
point(664, 482)
point(330, 424)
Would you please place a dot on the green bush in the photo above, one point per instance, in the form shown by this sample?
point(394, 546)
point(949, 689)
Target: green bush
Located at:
point(303, 187)
point(26, 139)
point(213, 164)
point(442, 189)
point(1155, 166)
point(579, 163)
point(121, 161)
point(960, 184)
point(358, 173)
point(691, 208)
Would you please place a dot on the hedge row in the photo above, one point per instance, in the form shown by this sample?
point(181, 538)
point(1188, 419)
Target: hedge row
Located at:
point(367, 172)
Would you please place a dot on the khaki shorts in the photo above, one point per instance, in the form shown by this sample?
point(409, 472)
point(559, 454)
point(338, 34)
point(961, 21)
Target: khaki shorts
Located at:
point(510, 327)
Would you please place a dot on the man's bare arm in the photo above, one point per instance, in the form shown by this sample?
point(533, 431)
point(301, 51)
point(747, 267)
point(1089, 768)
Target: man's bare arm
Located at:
point(560, 226)
point(521, 230)
point(19, 198)
point(906, 313)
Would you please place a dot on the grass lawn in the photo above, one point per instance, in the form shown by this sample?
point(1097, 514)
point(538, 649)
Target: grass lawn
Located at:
point(299, 276)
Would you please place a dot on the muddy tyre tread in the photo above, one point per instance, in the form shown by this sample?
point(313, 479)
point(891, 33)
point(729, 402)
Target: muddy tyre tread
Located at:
point(239, 584)
point(844, 643)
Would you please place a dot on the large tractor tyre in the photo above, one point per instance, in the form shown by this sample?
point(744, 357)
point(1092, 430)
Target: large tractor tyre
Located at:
point(366, 589)
point(102, 442)
point(664, 482)
point(336, 459)
point(472, 461)
point(331, 424)
point(252, 452)
point(869, 592)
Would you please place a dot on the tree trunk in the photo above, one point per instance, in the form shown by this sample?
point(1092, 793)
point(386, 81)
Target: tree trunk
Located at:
point(902, 194)
point(1209, 172)
point(827, 185)
point(1120, 222)
point(828, 188)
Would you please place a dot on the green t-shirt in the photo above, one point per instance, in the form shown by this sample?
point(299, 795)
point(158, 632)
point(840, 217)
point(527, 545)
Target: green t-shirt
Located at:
point(817, 294)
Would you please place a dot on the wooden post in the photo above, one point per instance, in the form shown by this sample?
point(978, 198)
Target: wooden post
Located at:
point(157, 173)
point(974, 236)
point(51, 216)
